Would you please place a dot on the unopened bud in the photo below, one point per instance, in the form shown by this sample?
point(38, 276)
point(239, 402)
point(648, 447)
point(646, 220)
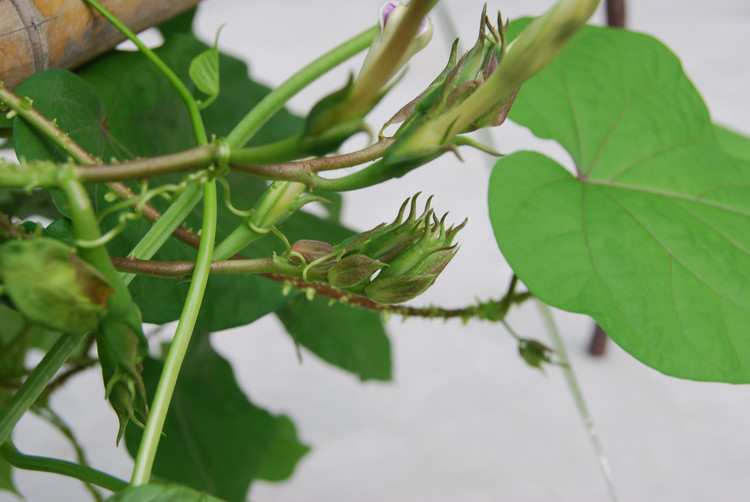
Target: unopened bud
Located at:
point(353, 270)
point(398, 289)
point(311, 250)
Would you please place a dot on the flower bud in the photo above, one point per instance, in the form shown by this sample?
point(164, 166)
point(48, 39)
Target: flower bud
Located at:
point(398, 289)
point(403, 32)
point(479, 89)
point(392, 47)
point(410, 253)
point(353, 270)
point(311, 250)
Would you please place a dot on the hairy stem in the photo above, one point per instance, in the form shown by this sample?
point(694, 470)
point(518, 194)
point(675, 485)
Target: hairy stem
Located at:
point(177, 269)
point(61, 139)
point(149, 443)
point(57, 466)
point(40, 123)
point(297, 171)
point(291, 274)
point(34, 385)
point(199, 157)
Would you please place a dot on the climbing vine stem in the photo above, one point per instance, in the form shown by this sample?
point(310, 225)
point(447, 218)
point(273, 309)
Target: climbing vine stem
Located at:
point(147, 450)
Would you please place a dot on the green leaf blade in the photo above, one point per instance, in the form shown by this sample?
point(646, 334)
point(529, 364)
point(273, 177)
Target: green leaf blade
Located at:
point(651, 236)
point(204, 72)
point(215, 440)
point(350, 338)
point(733, 143)
point(161, 493)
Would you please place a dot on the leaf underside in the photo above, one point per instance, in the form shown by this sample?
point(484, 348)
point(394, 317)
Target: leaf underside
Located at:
point(651, 234)
point(215, 440)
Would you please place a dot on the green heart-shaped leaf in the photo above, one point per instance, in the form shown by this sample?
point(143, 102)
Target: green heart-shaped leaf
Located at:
point(651, 235)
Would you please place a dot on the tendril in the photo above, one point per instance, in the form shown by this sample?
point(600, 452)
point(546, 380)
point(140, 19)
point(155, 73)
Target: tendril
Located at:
point(228, 200)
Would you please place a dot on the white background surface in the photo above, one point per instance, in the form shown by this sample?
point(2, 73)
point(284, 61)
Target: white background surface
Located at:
point(464, 419)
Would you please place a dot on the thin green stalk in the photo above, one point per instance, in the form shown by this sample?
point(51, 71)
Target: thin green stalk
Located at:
point(241, 158)
point(283, 150)
point(580, 402)
point(34, 385)
point(149, 443)
point(23, 108)
point(58, 423)
point(193, 159)
point(162, 229)
point(45, 464)
point(185, 203)
point(192, 106)
point(242, 236)
point(275, 205)
point(276, 99)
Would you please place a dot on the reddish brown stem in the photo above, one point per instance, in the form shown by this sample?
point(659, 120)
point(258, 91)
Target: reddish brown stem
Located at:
point(616, 13)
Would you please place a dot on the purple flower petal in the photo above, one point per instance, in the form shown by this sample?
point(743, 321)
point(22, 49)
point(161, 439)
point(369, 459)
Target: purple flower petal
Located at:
point(385, 12)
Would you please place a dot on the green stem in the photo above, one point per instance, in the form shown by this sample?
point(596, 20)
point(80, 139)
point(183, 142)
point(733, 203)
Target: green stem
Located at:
point(58, 423)
point(244, 234)
point(23, 108)
point(276, 99)
point(192, 106)
point(580, 402)
point(492, 310)
point(59, 138)
point(274, 206)
point(283, 150)
point(149, 443)
point(373, 174)
point(34, 385)
point(178, 269)
point(86, 228)
point(162, 229)
point(199, 157)
point(57, 466)
point(30, 175)
point(300, 170)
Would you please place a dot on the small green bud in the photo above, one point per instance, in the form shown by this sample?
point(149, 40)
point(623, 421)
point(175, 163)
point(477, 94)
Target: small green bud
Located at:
point(410, 253)
point(311, 250)
point(398, 289)
point(534, 353)
point(435, 262)
point(383, 241)
point(353, 270)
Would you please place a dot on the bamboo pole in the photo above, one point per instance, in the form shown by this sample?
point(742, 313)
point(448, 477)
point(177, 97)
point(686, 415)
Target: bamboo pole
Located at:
point(36, 35)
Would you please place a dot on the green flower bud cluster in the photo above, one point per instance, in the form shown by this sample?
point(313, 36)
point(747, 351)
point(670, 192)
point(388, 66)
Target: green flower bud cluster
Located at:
point(458, 80)
point(427, 129)
point(391, 263)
